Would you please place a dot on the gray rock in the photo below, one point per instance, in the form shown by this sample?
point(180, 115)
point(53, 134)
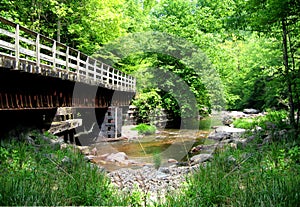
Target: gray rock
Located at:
point(219, 136)
point(227, 129)
point(227, 120)
point(251, 111)
point(161, 175)
point(201, 158)
point(236, 114)
point(227, 141)
point(165, 170)
point(172, 161)
point(120, 157)
point(89, 157)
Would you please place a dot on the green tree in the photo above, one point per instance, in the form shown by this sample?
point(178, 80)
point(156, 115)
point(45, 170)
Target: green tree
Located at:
point(280, 20)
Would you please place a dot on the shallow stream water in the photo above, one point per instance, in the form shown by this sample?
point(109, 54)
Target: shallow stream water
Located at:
point(166, 144)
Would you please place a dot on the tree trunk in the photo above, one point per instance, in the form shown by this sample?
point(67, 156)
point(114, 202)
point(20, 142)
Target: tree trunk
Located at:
point(288, 75)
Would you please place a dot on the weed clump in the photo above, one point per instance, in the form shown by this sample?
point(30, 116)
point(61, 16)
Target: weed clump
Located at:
point(145, 129)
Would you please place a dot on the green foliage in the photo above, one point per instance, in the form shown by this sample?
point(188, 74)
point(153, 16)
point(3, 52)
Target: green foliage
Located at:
point(271, 121)
point(145, 129)
point(136, 198)
point(277, 20)
point(41, 175)
point(49, 135)
point(245, 123)
point(147, 102)
point(247, 177)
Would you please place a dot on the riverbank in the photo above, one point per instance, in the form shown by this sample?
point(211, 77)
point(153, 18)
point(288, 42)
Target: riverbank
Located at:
point(241, 168)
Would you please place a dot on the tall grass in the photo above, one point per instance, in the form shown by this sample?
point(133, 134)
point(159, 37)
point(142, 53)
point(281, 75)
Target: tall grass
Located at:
point(40, 175)
point(253, 176)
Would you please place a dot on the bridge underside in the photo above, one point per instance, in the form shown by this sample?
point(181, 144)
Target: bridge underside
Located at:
point(20, 91)
point(28, 99)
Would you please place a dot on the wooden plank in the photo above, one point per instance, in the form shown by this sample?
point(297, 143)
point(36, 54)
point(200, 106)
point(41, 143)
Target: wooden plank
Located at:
point(61, 62)
point(45, 47)
point(7, 33)
point(26, 61)
point(28, 41)
point(72, 57)
point(73, 66)
point(27, 52)
point(60, 53)
point(7, 22)
point(46, 58)
point(7, 45)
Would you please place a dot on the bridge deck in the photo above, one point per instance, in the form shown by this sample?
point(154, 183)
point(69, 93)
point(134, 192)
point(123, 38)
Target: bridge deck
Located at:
point(26, 50)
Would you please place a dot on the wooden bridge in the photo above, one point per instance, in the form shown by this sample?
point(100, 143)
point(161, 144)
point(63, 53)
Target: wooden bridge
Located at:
point(37, 72)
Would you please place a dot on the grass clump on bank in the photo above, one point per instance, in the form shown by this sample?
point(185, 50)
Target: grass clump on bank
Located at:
point(245, 177)
point(39, 174)
point(145, 129)
point(272, 119)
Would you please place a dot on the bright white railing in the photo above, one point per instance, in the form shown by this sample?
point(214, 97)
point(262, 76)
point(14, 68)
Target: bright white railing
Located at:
point(32, 52)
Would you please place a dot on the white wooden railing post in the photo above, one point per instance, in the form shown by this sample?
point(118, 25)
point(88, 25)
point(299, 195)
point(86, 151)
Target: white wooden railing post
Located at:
point(54, 55)
point(118, 78)
point(37, 48)
point(87, 67)
point(113, 77)
point(101, 73)
point(67, 59)
point(127, 82)
point(78, 66)
point(95, 70)
point(107, 75)
point(17, 45)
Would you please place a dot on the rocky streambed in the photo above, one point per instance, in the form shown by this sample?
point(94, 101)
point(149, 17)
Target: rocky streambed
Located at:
point(132, 175)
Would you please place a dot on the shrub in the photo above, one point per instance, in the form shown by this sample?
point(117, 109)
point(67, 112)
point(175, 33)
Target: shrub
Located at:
point(145, 129)
point(272, 120)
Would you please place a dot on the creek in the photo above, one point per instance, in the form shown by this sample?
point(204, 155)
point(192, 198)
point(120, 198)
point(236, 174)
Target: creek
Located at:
point(165, 145)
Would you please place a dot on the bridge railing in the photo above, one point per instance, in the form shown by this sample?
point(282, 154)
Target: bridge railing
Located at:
point(23, 49)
